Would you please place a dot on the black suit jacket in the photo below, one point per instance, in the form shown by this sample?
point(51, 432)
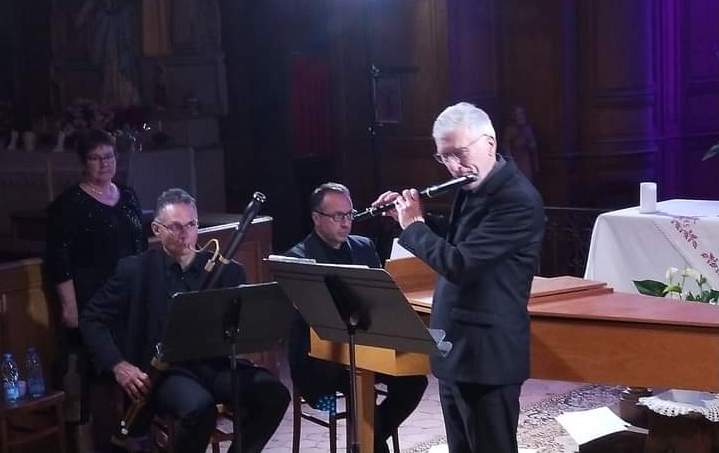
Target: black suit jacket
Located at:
point(485, 261)
point(125, 319)
point(314, 377)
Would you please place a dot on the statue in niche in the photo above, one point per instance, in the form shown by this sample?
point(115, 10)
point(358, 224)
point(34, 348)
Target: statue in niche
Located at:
point(113, 47)
point(518, 142)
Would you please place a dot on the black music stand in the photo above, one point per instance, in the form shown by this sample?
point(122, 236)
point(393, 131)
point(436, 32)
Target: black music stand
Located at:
point(229, 321)
point(359, 306)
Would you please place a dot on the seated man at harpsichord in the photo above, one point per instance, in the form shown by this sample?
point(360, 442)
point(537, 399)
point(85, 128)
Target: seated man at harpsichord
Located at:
point(319, 380)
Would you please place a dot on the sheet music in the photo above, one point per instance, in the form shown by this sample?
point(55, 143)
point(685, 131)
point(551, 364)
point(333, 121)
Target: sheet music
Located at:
point(585, 426)
point(398, 251)
point(292, 259)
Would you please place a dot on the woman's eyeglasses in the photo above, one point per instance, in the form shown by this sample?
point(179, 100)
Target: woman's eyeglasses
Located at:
point(94, 158)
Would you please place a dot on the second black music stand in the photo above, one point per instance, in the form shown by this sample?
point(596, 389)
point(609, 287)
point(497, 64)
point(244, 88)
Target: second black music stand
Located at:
point(359, 306)
point(226, 322)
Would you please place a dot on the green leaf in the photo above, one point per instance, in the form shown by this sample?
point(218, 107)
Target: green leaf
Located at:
point(713, 295)
point(650, 287)
point(705, 296)
point(713, 151)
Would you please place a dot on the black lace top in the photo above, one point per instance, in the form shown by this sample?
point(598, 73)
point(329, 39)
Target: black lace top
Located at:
point(86, 238)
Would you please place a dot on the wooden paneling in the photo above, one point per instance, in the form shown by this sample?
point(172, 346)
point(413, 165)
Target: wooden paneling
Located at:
point(530, 78)
point(617, 92)
point(699, 28)
point(26, 60)
point(618, 125)
point(597, 77)
point(690, 71)
point(27, 318)
point(538, 51)
point(701, 65)
point(621, 89)
point(612, 88)
point(620, 37)
point(406, 40)
point(473, 53)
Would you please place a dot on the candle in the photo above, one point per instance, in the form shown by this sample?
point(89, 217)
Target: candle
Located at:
point(647, 197)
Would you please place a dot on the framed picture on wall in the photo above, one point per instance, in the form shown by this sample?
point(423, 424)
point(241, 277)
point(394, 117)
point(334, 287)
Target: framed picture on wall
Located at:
point(387, 97)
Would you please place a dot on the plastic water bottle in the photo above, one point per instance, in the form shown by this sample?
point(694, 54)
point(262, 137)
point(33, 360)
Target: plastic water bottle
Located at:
point(33, 369)
point(10, 378)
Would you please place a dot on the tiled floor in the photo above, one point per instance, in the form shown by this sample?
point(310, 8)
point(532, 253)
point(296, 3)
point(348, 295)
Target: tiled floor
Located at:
point(423, 425)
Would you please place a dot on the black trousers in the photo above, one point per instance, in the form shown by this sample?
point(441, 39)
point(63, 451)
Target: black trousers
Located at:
point(403, 395)
point(480, 418)
point(190, 394)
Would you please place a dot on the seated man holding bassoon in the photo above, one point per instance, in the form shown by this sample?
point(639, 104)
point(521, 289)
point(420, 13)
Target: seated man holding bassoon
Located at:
point(138, 297)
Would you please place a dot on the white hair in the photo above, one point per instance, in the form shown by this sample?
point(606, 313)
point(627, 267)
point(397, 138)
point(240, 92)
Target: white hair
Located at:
point(463, 115)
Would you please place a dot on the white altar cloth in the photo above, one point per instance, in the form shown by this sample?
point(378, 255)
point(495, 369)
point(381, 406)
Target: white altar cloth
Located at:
point(627, 245)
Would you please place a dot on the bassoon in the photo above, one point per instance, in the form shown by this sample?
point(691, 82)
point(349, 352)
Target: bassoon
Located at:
point(138, 413)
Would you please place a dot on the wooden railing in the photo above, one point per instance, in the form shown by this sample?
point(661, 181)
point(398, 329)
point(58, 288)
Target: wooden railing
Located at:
point(567, 236)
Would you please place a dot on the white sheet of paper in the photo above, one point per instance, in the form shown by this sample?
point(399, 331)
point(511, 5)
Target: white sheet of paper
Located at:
point(291, 259)
point(585, 426)
point(398, 251)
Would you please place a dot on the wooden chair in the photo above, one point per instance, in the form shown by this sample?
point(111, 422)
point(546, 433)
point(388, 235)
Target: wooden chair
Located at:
point(162, 431)
point(298, 402)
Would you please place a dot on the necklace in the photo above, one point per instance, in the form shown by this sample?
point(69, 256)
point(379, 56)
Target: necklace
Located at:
point(100, 193)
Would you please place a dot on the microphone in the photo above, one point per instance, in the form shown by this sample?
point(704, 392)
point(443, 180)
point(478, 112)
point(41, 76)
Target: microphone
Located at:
point(429, 192)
